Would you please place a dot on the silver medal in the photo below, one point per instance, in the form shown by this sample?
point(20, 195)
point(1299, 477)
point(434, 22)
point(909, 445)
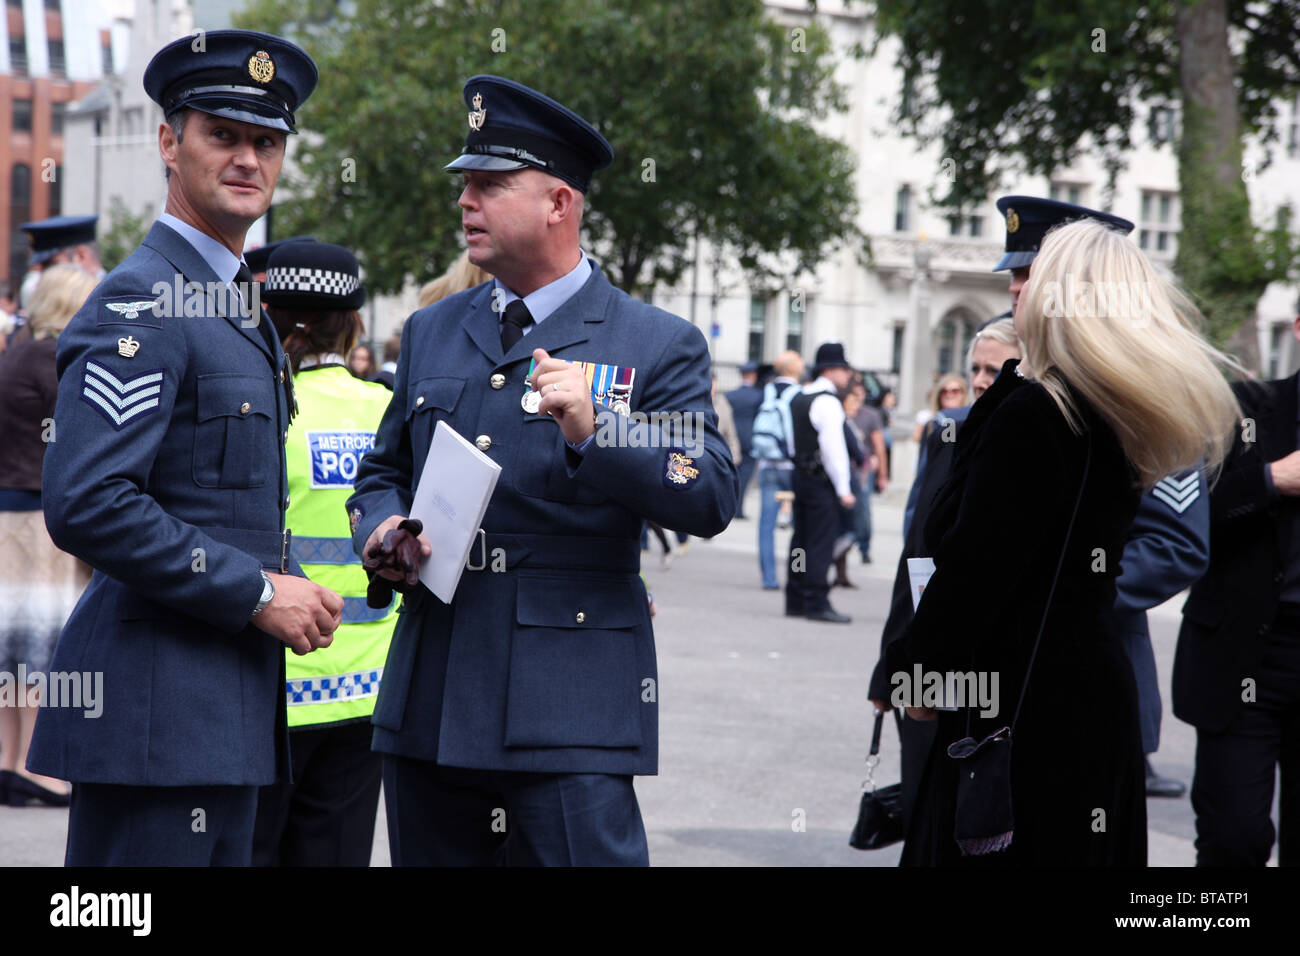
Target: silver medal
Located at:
point(531, 402)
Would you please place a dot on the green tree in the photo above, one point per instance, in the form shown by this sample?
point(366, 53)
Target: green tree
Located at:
point(123, 235)
point(1005, 82)
point(710, 107)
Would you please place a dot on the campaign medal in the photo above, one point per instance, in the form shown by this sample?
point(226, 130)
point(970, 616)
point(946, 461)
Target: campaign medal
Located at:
point(621, 390)
point(532, 401)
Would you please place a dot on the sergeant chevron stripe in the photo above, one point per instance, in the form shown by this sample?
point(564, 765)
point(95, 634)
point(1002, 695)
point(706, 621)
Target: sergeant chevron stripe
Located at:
point(120, 401)
point(1178, 493)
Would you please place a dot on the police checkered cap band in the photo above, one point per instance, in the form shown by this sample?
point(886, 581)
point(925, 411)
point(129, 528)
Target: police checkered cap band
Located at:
point(321, 281)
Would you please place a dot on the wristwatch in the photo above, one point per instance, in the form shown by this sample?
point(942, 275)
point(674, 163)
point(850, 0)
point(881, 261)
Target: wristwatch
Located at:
point(268, 594)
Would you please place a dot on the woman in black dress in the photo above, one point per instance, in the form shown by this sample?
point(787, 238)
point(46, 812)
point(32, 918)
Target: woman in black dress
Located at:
point(1111, 396)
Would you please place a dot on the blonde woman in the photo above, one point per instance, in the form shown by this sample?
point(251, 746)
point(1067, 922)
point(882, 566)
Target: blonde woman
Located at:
point(951, 391)
point(461, 275)
point(1048, 472)
point(39, 584)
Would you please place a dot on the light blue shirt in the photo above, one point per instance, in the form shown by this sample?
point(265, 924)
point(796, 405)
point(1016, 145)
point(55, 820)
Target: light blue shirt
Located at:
point(542, 302)
point(219, 259)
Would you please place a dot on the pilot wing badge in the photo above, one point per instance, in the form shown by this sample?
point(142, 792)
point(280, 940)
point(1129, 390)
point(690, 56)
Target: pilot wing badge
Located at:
point(118, 401)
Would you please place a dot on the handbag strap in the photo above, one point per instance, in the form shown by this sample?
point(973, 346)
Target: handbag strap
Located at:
point(875, 734)
point(1087, 462)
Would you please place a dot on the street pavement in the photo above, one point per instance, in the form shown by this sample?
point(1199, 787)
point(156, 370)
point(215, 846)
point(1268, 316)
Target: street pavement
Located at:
point(764, 719)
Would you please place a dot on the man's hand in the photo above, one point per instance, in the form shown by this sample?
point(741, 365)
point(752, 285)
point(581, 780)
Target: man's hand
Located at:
point(302, 614)
point(848, 501)
point(883, 706)
point(923, 713)
point(376, 540)
point(1286, 474)
point(565, 396)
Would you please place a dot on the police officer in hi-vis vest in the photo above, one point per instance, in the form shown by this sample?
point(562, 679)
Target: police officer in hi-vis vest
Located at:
point(326, 815)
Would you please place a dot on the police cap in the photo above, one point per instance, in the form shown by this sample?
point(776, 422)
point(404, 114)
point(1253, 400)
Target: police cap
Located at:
point(1028, 219)
point(241, 75)
point(512, 126)
point(314, 276)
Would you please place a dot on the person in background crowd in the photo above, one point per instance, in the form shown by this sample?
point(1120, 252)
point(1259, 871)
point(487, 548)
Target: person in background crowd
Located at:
point(726, 420)
point(951, 391)
point(887, 406)
point(1100, 400)
point(821, 486)
point(388, 371)
point(7, 309)
point(776, 460)
point(851, 518)
point(744, 402)
point(460, 275)
point(361, 362)
point(871, 433)
point(65, 240)
point(39, 584)
point(257, 260)
point(325, 816)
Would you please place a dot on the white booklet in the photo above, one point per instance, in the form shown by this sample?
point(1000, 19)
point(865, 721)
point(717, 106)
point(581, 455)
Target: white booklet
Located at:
point(919, 571)
point(451, 499)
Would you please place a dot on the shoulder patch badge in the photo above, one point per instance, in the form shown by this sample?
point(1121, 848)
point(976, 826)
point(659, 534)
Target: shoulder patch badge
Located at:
point(1178, 493)
point(679, 470)
point(130, 310)
point(120, 401)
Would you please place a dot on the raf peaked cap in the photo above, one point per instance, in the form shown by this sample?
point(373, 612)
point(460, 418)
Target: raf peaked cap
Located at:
point(512, 126)
point(48, 236)
point(238, 74)
point(1028, 219)
point(315, 276)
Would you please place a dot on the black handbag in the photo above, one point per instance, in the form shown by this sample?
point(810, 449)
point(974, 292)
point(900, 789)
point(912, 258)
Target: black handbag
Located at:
point(880, 812)
point(984, 820)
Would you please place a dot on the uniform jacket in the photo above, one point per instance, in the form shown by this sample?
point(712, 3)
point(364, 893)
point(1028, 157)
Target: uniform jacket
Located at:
point(547, 663)
point(1228, 613)
point(745, 401)
point(996, 532)
point(167, 476)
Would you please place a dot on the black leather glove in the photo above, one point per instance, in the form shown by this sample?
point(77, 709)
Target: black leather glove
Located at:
point(399, 551)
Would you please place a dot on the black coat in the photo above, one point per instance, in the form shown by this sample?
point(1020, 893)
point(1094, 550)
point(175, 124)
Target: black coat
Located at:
point(745, 401)
point(1228, 613)
point(1077, 747)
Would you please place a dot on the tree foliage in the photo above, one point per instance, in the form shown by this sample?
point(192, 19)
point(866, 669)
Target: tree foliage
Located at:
point(710, 107)
point(1009, 85)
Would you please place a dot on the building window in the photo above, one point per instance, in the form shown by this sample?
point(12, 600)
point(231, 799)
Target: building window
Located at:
point(1293, 130)
point(52, 5)
point(58, 61)
point(954, 335)
point(1278, 337)
point(896, 349)
point(56, 192)
point(20, 211)
point(794, 324)
point(954, 225)
point(976, 226)
point(903, 209)
point(757, 329)
point(57, 112)
point(1160, 125)
point(22, 116)
point(1158, 222)
point(106, 59)
point(18, 55)
point(1067, 192)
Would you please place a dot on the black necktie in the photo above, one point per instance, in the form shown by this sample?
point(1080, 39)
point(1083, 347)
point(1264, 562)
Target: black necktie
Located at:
point(516, 318)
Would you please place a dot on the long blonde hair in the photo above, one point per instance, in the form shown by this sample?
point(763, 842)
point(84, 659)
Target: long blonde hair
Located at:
point(461, 275)
point(62, 290)
point(1097, 315)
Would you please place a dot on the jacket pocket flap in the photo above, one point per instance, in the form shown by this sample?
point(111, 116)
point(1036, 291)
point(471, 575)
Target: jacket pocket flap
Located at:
point(440, 392)
point(235, 396)
point(579, 602)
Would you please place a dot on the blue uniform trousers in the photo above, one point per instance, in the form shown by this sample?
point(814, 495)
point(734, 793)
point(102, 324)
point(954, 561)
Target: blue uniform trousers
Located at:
point(459, 817)
point(117, 825)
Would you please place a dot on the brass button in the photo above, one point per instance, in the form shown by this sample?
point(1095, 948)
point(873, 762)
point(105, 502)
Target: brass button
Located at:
point(498, 380)
point(483, 442)
point(581, 617)
point(245, 408)
point(419, 401)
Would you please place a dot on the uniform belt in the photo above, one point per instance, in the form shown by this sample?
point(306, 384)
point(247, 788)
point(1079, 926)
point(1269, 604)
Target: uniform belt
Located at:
point(271, 548)
point(561, 552)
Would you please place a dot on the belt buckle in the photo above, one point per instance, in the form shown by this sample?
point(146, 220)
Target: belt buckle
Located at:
point(482, 552)
point(286, 539)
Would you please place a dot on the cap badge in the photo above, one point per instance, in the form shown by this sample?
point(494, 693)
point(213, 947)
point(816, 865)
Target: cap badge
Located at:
point(127, 347)
point(479, 114)
point(1013, 220)
point(260, 67)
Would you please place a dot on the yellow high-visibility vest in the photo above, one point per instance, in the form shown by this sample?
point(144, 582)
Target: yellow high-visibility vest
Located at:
point(334, 428)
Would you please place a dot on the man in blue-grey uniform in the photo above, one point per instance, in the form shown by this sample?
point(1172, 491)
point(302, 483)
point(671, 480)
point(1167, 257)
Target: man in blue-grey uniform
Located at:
point(513, 720)
point(167, 476)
